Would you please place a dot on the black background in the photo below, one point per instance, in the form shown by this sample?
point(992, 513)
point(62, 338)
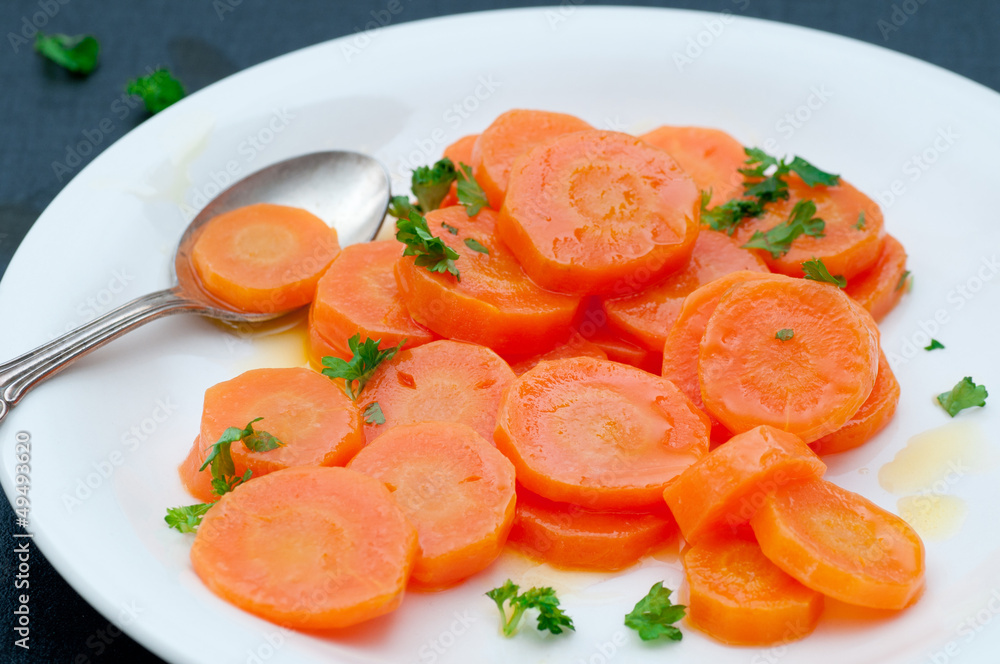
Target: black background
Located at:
point(44, 110)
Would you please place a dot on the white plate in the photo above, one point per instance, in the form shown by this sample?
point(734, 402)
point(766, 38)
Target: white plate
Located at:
point(122, 419)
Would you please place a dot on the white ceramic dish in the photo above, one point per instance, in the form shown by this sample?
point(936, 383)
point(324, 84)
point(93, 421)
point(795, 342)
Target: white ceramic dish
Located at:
point(107, 434)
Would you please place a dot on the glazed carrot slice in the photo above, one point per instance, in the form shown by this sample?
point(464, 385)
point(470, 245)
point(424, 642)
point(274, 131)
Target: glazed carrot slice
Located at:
point(317, 423)
point(460, 152)
point(307, 548)
point(711, 157)
point(197, 483)
point(850, 243)
point(454, 487)
point(512, 134)
point(359, 295)
point(841, 544)
point(320, 346)
point(593, 211)
point(648, 315)
point(680, 350)
point(810, 384)
point(567, 535)
point(264, 258)
point(575, 346)
point(592, 325)
point(873, 416)
point(599, 434)
point(879, 288)
point(739, 597)
point(725, 488)
point(494, 304)
point(445, 381)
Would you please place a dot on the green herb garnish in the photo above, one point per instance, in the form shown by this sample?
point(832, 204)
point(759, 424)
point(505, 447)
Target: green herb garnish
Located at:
point(778, 240)
point(470, 194)
point(902, 280)
point(784, 334)
point(654, 615)
point(431, 251)
point(401, 208)
point(476, 246)
point(816, 270)
point(365, 359)
point(430, 184)
point(934, 345)
point(77, 53)
point(860, 225)
point(550, 616)
point(186, 519)
point(158, 90)
point(373, 413)
point(965, 394)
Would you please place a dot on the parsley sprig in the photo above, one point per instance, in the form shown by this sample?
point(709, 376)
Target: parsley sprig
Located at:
point(816, 270)
point(158, 90)
point(430, 184)
point(654, 615)
point(778, 240)
point(431, 251)
point(470, 194)
point(365, 359)
point(550, 616)
point(77, 53)
point(965, 394)
point(186, 519)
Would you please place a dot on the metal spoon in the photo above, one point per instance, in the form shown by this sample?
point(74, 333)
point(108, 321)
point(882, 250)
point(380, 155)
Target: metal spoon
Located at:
point(349, 191)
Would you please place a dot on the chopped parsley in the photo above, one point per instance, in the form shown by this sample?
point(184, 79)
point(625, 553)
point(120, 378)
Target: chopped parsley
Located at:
point(431, 251)
point(186, 519)
point(778, 240)
point(476, 246)
point(965, 394)
point(158, 90)
point(654, 615)
point(430, 184)
point(373, 413)
point(784, 334)
point(470, 194)
point(365, 359)
point(934, 345)
point(77, 53)
point(550, 616)
point(816, 270)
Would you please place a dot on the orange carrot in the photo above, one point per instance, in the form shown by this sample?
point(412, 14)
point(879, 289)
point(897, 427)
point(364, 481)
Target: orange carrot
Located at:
point(873, 416)
point(446, 381)
point(307, 548)
point(852, 235)
point(590, 211)
point(494, 303)
point(599, 434)
point(454, 486)
point(359, 295)
point(512, 134)
point(711, 157)
point(842, 545)
point(320, 346)
point(796, 354)
point(725, 488)
point(197, 483)
point(263, 258)
point(575, 346)
point(571, 536)
point(879, 288)
point(649, 314)
point(739, 597)
point(317, 423)
point(460, 152)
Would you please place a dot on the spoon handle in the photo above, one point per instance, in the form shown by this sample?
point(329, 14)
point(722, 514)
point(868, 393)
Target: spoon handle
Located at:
point(19, 375)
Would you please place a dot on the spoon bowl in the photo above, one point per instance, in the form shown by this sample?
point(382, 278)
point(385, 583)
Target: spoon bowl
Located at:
point(347, 190)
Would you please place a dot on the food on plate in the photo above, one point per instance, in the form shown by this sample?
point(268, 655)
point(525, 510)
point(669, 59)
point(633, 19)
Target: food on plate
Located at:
point(263, 258)
point(580, 344)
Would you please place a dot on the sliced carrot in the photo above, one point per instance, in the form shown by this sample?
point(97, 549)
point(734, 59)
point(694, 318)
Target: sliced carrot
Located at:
point(197, 483)
point(567, 535)
point(359, 295)
point(680, 350)
point(443, 381)
point(841, 544)
point(739, 597)
point(873, 416)
point(649, 314)
point(307, 548)
point(317, 423)
point(454, 486)
point(320, 346)
point(264, 258)
point(879, 288)
point(494, 304)
point(711, 157)
point(810, 384)
point(575, 346)
point(592, 325)
point(460, 152)
point(725, 488)
point(590, 211)
point(512, 134)
point(847, 247)
point(599, 434)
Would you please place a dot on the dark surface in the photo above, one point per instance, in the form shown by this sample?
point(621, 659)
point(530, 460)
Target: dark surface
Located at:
point(44, 110)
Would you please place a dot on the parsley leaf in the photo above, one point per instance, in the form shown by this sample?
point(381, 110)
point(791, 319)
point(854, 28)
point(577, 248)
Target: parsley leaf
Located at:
point(934, 345)
point(654, 615)
point(373, 413)
point(550, 616)
point(186, 519)
point(811, 175)
point(475, 246)
point(778, 240)
point(449, 228)
point(220, 458)
point(902, 280)
point(965, 394)
point(726, 217)
point(470, 194)
point(860, 225)
point(158, 90)
point(76, 53)
point(816, 270)
point(366, 357)
point(431, 251)
point(401, 208)
point(784, 334)
point(430, 184)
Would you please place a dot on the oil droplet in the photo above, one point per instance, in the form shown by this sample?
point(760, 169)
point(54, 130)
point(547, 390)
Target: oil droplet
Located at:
point(935, 460)
point(282, 342)
point(934, 516)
